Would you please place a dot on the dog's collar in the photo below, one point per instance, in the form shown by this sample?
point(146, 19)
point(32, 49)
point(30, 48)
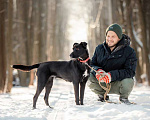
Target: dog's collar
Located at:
point(84, 61)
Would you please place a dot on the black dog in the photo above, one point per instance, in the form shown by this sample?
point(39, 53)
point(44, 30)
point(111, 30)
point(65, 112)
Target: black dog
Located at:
point(74, 71)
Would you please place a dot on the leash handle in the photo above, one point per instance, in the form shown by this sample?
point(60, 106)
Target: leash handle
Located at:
point(108, 85)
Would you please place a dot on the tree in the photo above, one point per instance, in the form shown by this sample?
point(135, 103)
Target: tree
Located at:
point(43, 29)
point(9, 77)
point(2, 46)
point(130, 29)
point(21, 37)
point(142, 20)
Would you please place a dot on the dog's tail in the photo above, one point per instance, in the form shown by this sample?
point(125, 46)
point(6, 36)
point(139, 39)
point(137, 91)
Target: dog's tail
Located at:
point(25, 67)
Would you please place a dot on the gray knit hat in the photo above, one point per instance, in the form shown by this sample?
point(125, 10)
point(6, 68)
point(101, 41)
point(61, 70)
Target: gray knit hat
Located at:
point(116, 28)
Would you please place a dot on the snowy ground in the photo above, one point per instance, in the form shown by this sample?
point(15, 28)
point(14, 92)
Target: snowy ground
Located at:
point(18, 105)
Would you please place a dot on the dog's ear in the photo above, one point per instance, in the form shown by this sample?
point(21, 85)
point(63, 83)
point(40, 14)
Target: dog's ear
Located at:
point(84, 44)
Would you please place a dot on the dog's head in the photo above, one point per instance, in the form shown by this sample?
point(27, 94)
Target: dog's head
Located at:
point(80, 50)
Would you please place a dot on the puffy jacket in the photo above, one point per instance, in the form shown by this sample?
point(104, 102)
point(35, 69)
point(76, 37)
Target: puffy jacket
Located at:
point(121, 62)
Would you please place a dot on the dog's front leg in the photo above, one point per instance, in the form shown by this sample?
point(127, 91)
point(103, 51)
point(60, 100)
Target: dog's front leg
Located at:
point(76, 91)
point(82, 88)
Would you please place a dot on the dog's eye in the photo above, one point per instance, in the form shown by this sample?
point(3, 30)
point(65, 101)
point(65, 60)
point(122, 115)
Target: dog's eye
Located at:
point(76, 48)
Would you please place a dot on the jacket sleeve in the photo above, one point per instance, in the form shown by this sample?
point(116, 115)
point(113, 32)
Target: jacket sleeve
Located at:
point(94, 63)
point(129, 68)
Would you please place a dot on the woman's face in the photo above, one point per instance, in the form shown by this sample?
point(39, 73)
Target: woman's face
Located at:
point(112, 39)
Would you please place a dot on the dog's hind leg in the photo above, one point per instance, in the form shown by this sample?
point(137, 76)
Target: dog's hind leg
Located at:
point(48, 87)
point(40, 86)
point(38, 91)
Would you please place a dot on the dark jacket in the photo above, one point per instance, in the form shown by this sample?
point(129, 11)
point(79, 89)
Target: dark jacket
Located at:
point(121, 62)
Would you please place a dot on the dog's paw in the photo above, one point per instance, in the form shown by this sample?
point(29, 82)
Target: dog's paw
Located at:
point(77, 103)
point(51, 107)
point(33, 108)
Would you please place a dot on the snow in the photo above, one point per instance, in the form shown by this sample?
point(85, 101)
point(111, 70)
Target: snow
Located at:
point(18, 105)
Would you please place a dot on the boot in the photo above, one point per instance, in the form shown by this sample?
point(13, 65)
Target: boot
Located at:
point(125, 101)
point(101, 98)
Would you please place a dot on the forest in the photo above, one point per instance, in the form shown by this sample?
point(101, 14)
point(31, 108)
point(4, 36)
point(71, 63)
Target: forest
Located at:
point(33, 31)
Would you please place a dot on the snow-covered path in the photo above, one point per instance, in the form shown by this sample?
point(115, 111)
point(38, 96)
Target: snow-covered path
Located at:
point(18, 105)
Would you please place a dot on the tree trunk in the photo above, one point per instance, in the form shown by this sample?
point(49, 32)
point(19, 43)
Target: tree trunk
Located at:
point(36, 31)
point(43, 29)
point(129, 6)
point(144, 39)
point(2, 46)
point(30, 39)
point(51, 24)
point(9, 77)
point(114, 11)
point(22, 39)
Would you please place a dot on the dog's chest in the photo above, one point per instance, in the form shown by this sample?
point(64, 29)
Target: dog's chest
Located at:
point(85, 74)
